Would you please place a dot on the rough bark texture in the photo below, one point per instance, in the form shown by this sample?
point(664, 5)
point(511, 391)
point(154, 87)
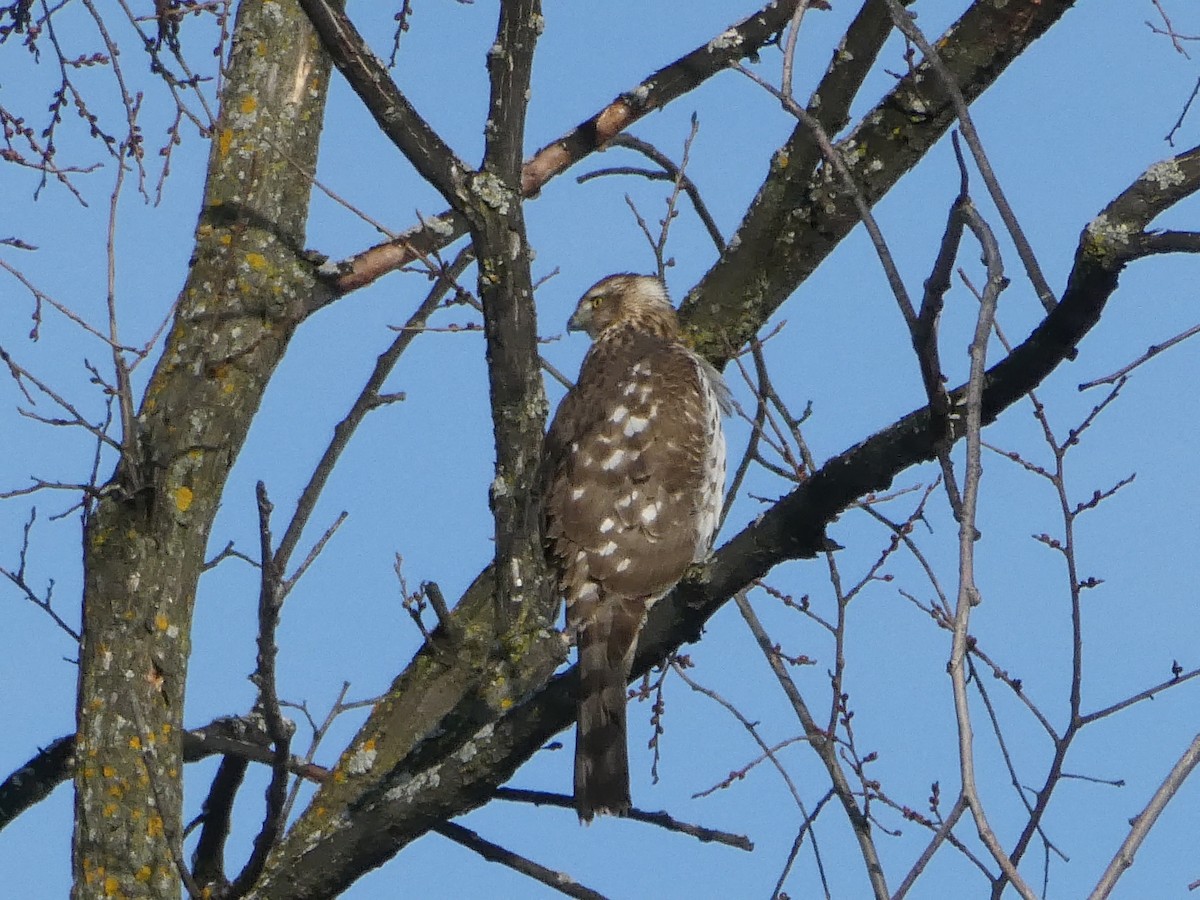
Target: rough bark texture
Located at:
point(801, 212)
point(145, 541)
point(435, 748)
point(478, 700)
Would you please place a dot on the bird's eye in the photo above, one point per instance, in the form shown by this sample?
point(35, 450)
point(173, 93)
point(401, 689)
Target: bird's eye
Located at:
point(597, 302)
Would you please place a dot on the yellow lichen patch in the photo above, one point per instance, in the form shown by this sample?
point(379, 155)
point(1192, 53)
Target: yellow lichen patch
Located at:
point(109, 771)
point(183, 499)
point(369, 744)
point(225, 141)
point(166, 729)
point(116, 790)
point(143, 874)
point(154, 826)
point(506, 703)
point(225, 239)
point(161, 622)
point(112, 887)
point(95, 703)
point(110, 809)
point(228, 387)
point(135, 743)
point(248, 105)
point(339, 777)
point(256, 261)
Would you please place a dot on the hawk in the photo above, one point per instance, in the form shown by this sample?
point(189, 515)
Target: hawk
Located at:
point(634, 477)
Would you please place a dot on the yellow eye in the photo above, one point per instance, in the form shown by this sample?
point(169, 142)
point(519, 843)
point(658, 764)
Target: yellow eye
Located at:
point(597, 302)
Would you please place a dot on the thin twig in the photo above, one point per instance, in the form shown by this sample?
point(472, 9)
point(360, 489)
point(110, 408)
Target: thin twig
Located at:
point(559, 881)
point(904, 21)
point(823, 743)
point(270, 602)
point(363, 404)
point(1142, 823)
point(968, 592)
point(835, 159)
point(661, 819)
point(1152, 351)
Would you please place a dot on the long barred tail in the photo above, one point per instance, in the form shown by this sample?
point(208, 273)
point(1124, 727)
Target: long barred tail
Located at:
point(606, 645)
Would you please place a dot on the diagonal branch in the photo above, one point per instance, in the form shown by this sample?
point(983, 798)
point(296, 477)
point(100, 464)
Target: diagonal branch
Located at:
point(434, 757)
point(432, 157)
point(559, 881)
point(1141, 824)
point(801, 213)
point(904, 21)
point(654, 92)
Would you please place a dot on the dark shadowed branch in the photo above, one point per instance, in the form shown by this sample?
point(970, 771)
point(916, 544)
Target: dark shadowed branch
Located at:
point(559, 881)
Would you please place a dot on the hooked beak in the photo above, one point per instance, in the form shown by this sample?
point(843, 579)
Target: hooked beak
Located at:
point(579, 319)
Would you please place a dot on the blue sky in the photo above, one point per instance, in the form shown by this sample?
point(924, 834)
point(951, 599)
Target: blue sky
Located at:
point(1067, 128)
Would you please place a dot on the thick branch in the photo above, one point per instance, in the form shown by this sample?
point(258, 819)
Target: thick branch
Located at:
point(433, 754)
point(662, 87)
point(801, 212)
point(518, 399)
point(397, 118)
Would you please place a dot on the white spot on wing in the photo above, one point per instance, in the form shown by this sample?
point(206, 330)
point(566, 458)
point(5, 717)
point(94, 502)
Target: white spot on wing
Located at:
point(607, 549)
point(649, 513)
point(607, 525)
point(618, 415)
point(578, 492)
point(623, 565)
point(636, 425)
point(613, 460)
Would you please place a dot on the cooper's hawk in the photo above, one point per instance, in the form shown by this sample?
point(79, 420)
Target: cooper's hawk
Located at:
point(635, 470)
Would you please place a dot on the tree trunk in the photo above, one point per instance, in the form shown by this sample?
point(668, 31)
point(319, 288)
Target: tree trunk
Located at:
point(144, 541)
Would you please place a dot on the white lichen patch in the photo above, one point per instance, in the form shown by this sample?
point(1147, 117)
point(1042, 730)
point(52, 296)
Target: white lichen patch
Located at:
point(361, 760)
point(407, 790)
point(491, 190)
point(469, 751)
point(500, 487)
point(1165, 174)
point(441, 227)
point(726, 40)
point(1107, 233)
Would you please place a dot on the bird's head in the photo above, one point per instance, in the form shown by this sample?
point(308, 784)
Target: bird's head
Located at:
point(637, 301)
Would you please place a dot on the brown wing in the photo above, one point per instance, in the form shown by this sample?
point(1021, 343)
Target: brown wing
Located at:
point(629, 455)
point(633, 456)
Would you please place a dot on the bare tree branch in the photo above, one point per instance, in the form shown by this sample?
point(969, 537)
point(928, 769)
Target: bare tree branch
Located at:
point(1142, 823)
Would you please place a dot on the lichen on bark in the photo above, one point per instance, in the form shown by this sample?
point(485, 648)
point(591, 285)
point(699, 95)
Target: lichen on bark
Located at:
point(248, 289)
